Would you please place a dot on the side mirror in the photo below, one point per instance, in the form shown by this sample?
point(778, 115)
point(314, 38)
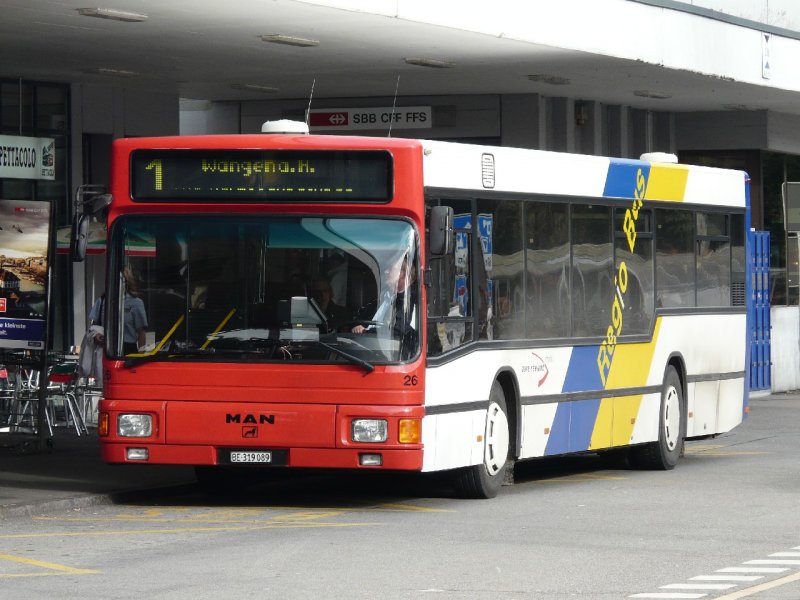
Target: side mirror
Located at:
point(440, 238)
point(90, 200)
point(100, 203)
point(79, 237)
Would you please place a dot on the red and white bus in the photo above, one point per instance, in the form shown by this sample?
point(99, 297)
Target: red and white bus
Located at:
point(488, 305)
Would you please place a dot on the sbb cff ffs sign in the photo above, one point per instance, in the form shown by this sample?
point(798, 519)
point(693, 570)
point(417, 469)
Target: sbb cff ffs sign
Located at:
point(400, 117)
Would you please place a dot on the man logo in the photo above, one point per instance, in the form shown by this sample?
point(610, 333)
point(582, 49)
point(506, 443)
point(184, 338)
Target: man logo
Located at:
point(260, 419)
point(249, 432)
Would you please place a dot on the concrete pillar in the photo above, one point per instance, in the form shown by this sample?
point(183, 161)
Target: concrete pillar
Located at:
point(78, 279)
point(522, 118)
point(618, 131)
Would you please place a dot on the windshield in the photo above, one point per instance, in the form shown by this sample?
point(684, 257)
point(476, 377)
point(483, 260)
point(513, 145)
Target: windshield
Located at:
point(251, 288)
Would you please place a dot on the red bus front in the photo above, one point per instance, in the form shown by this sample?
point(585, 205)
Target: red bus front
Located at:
point(264, 303)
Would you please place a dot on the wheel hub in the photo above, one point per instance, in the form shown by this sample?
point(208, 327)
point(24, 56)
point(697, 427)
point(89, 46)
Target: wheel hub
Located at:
point(496, 448)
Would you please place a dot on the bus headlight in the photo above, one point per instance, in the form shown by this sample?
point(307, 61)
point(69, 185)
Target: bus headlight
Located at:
point(370, 430)
point(135, 425)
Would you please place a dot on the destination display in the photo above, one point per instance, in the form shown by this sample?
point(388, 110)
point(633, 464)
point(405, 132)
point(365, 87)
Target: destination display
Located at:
point(261, 175)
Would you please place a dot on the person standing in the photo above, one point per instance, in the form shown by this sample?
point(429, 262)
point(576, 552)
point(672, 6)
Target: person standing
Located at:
point(134, 327)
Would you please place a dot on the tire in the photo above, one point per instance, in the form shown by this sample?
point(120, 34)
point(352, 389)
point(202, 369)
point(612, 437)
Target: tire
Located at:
point(484, 480)
point(663, 455)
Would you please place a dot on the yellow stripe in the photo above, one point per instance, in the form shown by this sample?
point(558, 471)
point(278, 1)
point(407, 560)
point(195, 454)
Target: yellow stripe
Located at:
point(617, 416)
point(45, 565)
point(666, 182)
point(222, 324)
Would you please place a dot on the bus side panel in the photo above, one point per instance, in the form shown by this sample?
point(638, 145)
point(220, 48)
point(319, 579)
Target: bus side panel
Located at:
point(702, 408)
point(710, 346)
point(453, 440)
point(552, 427)
point(729, 410)
point(536, 422)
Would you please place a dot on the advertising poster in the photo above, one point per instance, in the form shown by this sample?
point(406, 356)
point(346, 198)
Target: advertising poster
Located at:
point(24, 239)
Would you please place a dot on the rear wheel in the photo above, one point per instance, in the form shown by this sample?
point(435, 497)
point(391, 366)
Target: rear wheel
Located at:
point(664, 454)
point(484, 480)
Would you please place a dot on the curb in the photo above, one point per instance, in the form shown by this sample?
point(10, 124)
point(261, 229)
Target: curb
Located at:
point(79, 502)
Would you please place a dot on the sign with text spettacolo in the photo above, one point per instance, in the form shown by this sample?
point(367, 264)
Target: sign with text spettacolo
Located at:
point(27, 157)
point(24, 240)
point(397, 117)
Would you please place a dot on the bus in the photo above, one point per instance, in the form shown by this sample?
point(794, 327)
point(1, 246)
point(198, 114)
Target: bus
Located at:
point(283, 300)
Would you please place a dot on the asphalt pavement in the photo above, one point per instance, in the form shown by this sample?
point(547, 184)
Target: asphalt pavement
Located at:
point(70, 474)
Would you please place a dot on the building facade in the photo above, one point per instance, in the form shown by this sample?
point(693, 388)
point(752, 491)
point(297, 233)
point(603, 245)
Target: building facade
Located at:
point(682, 55)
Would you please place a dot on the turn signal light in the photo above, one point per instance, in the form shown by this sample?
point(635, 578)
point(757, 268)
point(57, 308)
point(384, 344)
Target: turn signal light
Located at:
point(410, 431)
point(102, 424)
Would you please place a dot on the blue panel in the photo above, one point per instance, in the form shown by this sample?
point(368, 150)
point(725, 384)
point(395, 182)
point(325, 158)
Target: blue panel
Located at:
point(574, 421)
point(582, 373)
point(583, 417)
point(558, 441)
point(621, 178)
point(758, 310)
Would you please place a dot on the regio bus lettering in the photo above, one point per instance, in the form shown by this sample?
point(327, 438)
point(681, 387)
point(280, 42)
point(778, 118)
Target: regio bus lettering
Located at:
point(605, 353)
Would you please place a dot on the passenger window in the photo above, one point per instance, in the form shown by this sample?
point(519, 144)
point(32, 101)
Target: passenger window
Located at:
point(639, 293)
point(592, 270)
point(547, 263)
point(450, 322)
point(503, 261)
point(674, 258)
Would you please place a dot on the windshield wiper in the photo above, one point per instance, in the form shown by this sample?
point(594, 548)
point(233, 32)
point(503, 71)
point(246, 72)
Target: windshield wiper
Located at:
point(367, 366)
point(166, 355)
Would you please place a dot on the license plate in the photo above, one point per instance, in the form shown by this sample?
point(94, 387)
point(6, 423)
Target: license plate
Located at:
point(251, 457)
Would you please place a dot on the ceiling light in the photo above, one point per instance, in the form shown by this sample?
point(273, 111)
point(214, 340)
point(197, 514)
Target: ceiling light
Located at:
point(250, 87)
point(433, 63)
point(110, 71)
point(652, 94)
point(113, 13)
point(549, 79)
point(289, 40)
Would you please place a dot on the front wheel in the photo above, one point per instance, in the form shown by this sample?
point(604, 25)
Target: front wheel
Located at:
point(484, 480)
point(664, 454)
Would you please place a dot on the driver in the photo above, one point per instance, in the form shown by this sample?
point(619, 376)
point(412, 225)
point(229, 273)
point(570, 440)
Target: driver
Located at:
point(398, 305)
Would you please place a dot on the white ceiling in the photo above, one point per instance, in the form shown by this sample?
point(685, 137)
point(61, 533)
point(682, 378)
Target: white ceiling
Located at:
point(200, 48)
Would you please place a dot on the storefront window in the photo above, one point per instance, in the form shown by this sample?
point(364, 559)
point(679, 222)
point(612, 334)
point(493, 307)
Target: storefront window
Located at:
point(40, 110)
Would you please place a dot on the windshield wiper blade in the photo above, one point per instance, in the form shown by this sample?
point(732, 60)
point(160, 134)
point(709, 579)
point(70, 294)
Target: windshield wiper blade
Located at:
point(165, 355)
point(367, 366)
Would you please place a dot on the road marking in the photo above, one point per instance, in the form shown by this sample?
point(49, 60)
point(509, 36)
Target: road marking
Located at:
point(583, 477)
point(762, 587)
point(747, 573)
point(752, 570)
point(698, 586)
point(246, 515)
point(727, 578)
point(777, 561)
point(669, 595)
point(56, 568)
point(719, 450)
point(178, 530)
